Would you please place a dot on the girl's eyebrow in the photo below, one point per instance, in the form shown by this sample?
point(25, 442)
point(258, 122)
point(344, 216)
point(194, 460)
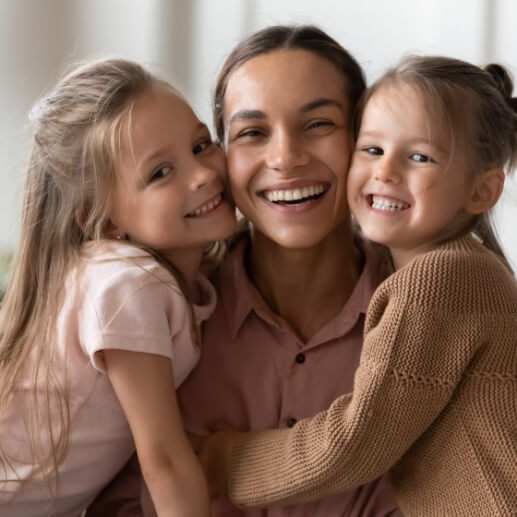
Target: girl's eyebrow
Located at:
point(417, 140)
point(162, 150)
point(152, 156)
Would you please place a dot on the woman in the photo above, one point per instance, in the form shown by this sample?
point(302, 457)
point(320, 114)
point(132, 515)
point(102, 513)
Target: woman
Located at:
point(285, 338)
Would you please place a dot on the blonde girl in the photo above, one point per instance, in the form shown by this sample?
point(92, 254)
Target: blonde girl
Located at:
point(124, 191)
point(435, 395)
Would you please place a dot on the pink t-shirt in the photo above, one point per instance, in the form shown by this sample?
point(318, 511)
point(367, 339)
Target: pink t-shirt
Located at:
point(118, 298)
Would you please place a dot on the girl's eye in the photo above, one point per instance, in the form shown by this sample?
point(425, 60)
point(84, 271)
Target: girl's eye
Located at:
point(202, 146)
point(373, 150)
point(420, 158)
point(160, 173)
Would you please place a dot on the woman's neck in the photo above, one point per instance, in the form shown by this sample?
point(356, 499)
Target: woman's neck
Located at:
point(306, 287)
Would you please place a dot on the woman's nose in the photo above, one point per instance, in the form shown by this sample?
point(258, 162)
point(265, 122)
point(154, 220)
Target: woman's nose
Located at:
point(285, 152)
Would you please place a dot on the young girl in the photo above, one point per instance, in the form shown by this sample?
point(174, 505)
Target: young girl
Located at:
point(435, 395)
point(124, 191)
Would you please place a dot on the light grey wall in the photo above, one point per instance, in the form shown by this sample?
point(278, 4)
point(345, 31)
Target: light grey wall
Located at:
point(186, 42)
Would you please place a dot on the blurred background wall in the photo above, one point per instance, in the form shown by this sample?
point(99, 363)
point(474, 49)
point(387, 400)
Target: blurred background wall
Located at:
point(186, 41)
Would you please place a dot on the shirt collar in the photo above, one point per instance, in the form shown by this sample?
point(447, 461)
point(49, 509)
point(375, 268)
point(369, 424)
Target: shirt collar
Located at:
point(237, 293)
point(239, 296)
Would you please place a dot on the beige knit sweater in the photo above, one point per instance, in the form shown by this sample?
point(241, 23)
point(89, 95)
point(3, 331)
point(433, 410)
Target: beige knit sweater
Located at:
point(435, 400)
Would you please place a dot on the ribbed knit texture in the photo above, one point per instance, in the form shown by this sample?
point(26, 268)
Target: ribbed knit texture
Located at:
point(435, 400)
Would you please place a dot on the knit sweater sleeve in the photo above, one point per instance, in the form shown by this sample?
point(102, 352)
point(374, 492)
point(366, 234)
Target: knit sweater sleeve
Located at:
point(423, 327)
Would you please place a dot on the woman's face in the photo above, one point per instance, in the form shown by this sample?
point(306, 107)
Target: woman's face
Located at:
point(288, 142)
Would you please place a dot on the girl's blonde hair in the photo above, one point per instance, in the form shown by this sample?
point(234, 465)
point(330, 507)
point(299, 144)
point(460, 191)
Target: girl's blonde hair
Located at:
point(477, 107)
point(77, 132)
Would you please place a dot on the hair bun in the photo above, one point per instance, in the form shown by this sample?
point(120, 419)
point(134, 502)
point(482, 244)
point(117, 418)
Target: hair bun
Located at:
point(501, 78)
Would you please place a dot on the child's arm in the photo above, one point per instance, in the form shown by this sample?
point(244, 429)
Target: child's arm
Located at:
point(144, 385)
point(415, 353)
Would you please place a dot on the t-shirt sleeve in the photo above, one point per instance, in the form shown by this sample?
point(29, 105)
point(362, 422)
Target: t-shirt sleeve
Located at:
point(136, 310)
point(411, 363)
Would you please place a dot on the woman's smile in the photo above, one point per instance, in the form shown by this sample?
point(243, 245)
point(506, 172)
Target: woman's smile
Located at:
point(288, 146)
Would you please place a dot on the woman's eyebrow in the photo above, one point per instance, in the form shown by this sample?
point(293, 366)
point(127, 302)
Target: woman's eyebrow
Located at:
point(247, 114)
point(318, 103)
point(257, 114)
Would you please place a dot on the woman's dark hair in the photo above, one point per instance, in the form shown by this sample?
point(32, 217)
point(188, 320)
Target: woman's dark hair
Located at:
point(278, 37)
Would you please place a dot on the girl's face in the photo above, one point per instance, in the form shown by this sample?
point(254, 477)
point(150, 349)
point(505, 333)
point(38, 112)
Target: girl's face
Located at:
point(288, 143)
point(406, 187)
point(169, 195)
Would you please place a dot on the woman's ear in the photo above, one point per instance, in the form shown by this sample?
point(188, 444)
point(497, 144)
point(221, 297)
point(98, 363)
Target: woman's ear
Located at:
point(487, 189)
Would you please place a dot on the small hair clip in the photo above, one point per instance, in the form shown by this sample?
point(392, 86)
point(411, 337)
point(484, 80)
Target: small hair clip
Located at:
point(37, 109)
point(477, 238)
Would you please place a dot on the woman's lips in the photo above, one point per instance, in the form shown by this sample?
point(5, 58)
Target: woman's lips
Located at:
point(295, 194)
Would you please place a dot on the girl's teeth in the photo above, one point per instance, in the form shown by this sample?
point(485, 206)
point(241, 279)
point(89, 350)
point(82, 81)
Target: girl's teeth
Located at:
point(298, 194)
point(206, 208)
point(381, 203)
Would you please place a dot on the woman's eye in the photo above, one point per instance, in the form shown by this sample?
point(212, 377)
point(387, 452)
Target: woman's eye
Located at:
point(319, 123)
point(420, 158)
point(373, 150)
point(249, 133)
point(202, 146)
point(160, 173)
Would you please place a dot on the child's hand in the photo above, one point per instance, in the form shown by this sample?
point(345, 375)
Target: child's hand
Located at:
point(214, 455)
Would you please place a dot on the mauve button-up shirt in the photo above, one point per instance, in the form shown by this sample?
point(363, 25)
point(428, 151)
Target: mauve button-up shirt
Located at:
point(255, 373)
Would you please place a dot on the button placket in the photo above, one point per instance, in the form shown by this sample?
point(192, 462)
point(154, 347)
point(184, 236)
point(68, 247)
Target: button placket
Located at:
point(291, 421)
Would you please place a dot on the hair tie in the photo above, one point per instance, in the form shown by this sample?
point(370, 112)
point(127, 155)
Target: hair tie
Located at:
point(37, 109)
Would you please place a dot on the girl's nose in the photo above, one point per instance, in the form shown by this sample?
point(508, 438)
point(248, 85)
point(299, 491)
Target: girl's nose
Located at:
point(202, 176)
point(387, 171)
point(285, 152)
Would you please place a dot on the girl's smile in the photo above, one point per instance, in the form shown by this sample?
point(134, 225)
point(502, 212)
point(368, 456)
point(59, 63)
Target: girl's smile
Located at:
point(170, 194)
point(207, 207)
point(406, 186)
point(386, 203)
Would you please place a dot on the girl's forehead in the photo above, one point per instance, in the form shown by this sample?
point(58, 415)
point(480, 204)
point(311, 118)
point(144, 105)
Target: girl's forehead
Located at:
point(412, 112)
point(394, 95)
point(398, 97)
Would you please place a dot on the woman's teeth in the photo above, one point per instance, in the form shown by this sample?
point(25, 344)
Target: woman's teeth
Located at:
point(391, 205)
point(296, 195)
point(202, 210)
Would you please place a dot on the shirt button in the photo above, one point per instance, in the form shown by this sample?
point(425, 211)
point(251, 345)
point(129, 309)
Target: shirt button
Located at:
point(300, 358)
point(291, 421)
